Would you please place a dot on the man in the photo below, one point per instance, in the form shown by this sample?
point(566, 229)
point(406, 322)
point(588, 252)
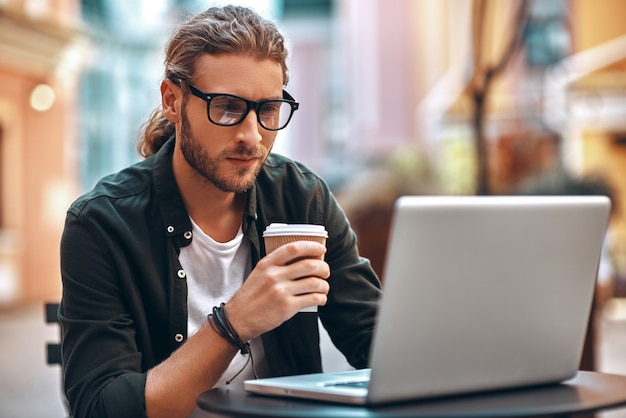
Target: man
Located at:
point(167, 290)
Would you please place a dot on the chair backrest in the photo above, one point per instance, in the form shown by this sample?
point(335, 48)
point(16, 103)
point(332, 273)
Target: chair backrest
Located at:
point(53, 349)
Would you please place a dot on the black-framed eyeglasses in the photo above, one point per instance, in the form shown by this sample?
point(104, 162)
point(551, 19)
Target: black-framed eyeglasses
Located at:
point(229, 110)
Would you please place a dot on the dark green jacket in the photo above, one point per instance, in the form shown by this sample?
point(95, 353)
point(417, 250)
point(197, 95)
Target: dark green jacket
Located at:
point(124, 305)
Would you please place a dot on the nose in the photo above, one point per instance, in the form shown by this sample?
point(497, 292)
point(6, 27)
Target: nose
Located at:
point(249, 129)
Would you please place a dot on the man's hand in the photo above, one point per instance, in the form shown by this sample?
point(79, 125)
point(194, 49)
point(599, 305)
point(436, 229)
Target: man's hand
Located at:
point(278, 288)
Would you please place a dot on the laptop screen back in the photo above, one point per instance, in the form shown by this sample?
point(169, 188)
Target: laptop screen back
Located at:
point(485, 293)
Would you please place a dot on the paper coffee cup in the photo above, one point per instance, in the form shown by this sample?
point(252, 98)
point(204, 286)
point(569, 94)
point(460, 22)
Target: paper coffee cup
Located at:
point(277, 234)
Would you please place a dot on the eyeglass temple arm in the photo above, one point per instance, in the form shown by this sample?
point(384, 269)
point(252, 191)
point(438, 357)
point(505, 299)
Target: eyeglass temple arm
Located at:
point(288, 96)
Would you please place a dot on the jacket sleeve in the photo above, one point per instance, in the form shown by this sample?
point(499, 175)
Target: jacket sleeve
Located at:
point(350, 313)
point(102, 366)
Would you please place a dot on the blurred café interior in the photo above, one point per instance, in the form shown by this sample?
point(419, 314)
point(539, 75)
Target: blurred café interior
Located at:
point(397, 97)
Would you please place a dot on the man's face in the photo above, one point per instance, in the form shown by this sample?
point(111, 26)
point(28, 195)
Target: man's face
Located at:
point(228, 157)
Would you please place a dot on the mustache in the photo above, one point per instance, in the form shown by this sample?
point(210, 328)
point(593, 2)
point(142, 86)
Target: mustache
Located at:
point(243, 151)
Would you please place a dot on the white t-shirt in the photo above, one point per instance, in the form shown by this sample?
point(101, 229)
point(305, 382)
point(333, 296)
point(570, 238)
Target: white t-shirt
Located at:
point(215, 271)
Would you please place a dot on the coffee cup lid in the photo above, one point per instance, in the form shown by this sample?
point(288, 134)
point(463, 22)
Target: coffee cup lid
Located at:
point(278, 229)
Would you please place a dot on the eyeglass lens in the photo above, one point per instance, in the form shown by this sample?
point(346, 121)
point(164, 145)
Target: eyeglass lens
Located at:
point(229, 110)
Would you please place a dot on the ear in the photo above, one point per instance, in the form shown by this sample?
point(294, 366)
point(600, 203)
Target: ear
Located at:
point(171, 100)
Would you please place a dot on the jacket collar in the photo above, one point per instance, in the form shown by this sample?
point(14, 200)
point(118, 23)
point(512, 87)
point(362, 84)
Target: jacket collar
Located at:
point(175, 217)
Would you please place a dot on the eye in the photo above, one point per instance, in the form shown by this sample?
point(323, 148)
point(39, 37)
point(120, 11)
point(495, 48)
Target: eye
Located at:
point(270, 107)
point(228, 104)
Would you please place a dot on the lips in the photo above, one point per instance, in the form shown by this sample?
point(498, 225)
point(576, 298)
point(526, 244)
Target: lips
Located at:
point(243, 161)
point(244, 158)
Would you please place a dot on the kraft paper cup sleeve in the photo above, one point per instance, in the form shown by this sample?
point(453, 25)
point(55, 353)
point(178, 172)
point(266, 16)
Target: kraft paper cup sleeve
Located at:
point(273, 242)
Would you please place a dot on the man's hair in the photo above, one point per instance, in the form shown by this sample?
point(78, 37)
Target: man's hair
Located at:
point(230, 29)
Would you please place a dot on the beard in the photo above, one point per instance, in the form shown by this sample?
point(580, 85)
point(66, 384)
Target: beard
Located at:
point(208, 168)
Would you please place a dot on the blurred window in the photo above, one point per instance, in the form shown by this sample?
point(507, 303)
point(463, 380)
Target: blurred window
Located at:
point(120, 85)
point(546, 36)
point(307, 8)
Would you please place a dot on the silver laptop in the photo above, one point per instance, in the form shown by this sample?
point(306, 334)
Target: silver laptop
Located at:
point(480, 293)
